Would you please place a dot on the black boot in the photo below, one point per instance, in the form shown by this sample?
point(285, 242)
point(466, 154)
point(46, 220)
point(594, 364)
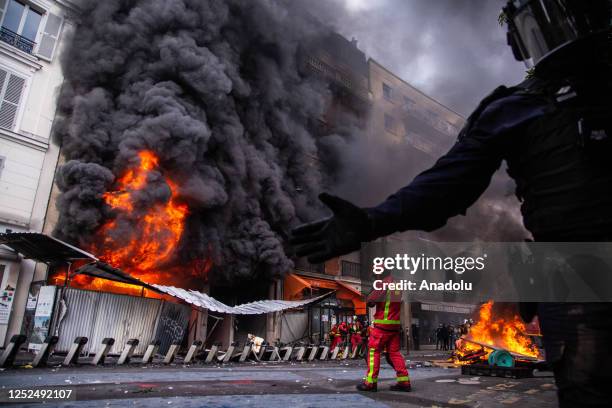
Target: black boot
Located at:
point(367, 387)
point(404, 387)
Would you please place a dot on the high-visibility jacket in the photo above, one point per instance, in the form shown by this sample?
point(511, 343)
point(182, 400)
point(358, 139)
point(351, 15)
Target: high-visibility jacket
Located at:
point(333, 332)
point(388, 307)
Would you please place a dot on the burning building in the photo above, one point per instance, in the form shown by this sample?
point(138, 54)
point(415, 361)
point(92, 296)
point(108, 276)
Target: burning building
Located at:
point(196, 143)
point(195, 135)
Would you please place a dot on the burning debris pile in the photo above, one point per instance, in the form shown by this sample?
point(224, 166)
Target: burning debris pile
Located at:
point(496, 329)
point(186, 127)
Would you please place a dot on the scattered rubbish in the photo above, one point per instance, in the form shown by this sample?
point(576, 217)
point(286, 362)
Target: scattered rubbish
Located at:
point(468, 382)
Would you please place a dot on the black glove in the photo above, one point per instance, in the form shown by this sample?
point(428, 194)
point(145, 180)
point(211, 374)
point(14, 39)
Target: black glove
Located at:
point(334, 236)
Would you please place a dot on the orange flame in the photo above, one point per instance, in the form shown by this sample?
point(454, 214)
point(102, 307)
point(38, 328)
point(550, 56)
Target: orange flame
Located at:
point(142, 241)
point(157, 234)
point(506, 332)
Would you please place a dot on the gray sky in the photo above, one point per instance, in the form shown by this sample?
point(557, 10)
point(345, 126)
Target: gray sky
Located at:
point(453, 50)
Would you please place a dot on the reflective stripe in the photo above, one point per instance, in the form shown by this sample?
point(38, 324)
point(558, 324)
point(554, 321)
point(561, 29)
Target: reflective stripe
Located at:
point(402, 379)
point(387, 304)
point(371, 368)
point(385, 321)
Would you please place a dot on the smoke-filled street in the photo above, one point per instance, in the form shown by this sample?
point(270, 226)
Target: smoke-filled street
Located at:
point(284, 384)
point(306, 203)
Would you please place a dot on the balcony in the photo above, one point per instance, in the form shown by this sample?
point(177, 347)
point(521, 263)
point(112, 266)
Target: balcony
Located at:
point(17, 41)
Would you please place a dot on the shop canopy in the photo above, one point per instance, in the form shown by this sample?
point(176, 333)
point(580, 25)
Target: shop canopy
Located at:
point(202, 300)
point(99, 269)
point(296, 286)
point(43, 248)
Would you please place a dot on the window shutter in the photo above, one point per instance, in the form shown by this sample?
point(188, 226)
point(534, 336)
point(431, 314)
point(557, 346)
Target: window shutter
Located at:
point(50, 34)
point(2, 8)
point(12, 89)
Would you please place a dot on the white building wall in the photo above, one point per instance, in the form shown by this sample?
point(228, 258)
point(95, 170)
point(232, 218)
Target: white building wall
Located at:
point(28, 156)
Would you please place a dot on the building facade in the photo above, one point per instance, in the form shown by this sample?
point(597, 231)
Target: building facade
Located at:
point(31, 34)
point(403, 114)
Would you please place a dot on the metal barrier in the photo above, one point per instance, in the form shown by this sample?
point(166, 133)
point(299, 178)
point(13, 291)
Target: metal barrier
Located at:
point(10, 352)
point(127, 352)
point(192, 352)
point(296, 352)
point(75, 351)
point(46, 349)
point(150, 352)
point(107, 344)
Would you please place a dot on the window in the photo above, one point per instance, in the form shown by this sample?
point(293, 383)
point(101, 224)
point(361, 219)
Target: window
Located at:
point(350, 269)
point(302, 264)
point(408, 103)
point(20, 24)
point(2, 160)
point(389, 123)
point(387, 92)
point(11, 89)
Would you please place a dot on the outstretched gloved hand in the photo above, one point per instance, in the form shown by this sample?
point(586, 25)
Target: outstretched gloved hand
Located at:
point(339, 234)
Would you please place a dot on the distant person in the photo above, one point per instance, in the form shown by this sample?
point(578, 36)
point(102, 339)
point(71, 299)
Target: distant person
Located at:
point(415, 336)
point(439, 338)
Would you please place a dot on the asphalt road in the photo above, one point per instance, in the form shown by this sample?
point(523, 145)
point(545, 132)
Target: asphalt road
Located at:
point(275, 385)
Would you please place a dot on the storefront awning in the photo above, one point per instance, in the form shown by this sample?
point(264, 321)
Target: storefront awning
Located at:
point(43, 248)
point(202, 300)
point(103, 270)
point(295, 285)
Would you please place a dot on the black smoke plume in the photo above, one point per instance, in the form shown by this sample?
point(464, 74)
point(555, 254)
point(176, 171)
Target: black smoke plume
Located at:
point(214, 88)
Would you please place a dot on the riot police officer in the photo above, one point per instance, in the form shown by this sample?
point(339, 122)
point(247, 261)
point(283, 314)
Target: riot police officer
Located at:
point(554, 130)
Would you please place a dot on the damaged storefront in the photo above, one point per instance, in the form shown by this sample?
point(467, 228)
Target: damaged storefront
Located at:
point(151, 313)
point(313, 324)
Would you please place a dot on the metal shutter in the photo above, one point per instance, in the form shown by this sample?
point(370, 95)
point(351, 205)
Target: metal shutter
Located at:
point(11, 89)
point(50, 33)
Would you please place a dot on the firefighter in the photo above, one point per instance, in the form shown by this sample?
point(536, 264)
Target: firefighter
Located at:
point(554, 131)
point(343, 330)
point(384, 339)
point(335, 337)
point(355, 333)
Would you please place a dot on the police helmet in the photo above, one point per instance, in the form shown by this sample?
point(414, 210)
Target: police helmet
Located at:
point(539, 30)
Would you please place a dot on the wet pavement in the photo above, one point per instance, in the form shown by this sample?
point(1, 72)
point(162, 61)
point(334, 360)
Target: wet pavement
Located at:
point(283, 385)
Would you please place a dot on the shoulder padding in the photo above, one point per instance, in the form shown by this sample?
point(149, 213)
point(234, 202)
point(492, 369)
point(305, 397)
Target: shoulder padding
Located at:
point(507, 107)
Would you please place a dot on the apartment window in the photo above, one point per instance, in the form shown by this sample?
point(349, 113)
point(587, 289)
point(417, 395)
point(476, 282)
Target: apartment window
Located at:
point(408, 103)
point(11, 89)
point(20, 24)
point(301, 264)
point(23, 24)
point(389, 123)
point(2, 161)
point(387, 92)
point(351, 269)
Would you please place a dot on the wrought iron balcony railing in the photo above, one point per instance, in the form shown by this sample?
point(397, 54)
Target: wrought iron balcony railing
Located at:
point(17, 41)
